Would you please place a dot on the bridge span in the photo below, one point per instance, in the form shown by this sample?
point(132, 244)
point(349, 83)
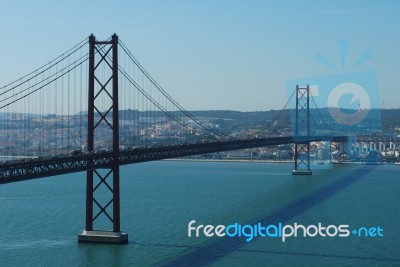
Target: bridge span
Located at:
point(21, 170)
point(44, 114)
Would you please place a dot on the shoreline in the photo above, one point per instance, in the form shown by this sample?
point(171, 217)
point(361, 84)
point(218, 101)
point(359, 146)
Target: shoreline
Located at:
point(233, 160)
point(268, 161)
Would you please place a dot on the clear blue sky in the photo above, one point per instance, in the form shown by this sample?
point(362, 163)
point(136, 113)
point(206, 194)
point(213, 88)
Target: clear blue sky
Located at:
point(235, 55)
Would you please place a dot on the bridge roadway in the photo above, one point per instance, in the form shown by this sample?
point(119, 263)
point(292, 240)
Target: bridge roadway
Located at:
point(20, 170)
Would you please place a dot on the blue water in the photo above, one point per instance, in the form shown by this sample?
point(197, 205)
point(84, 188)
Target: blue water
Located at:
point(40, 219)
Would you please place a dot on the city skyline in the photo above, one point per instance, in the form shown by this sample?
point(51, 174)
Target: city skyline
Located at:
point(216, 55)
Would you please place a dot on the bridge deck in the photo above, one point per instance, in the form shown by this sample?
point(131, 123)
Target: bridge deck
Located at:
point(14, 171)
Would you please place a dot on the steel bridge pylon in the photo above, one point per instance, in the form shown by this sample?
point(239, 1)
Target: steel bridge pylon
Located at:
point(102, 195)
point(302, 132)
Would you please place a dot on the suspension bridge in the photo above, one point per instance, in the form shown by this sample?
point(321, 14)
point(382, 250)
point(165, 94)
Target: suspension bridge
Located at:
point(92, 109)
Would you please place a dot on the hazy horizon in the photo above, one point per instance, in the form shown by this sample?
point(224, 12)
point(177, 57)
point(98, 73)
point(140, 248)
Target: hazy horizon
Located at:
point(217, 55)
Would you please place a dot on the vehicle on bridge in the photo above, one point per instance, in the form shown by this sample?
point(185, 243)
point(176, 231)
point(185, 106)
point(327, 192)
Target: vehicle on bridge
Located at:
point(75, 152)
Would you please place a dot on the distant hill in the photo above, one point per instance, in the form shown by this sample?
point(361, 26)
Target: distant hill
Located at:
point(236, 120)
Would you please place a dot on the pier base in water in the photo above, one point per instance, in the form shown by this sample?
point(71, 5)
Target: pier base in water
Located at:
point(301, 172)
point(107, 237)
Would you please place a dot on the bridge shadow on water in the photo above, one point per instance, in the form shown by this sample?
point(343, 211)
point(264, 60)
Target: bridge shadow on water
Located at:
point(211, 252)
point(203, 256)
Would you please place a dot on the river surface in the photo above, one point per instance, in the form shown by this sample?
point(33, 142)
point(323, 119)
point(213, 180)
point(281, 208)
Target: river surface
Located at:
point(40, 219)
